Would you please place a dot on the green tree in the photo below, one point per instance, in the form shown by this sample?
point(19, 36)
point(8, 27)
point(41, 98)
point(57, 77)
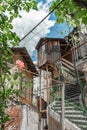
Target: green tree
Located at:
point(70, 11)
point(9, 9)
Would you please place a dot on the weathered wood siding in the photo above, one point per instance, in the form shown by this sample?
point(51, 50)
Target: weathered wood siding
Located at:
point(53, 51)
point(42, 58)
point(48, 52)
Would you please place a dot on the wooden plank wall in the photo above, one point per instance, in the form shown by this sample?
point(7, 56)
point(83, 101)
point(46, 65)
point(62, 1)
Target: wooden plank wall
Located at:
point(53, 51)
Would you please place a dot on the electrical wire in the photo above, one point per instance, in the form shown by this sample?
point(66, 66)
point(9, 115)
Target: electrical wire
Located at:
point(57, 59)
point(36, 34)
point(42, 20)
point(54, 61)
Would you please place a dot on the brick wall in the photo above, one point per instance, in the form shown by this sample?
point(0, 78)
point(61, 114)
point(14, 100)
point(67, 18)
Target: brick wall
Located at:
point(15, 115)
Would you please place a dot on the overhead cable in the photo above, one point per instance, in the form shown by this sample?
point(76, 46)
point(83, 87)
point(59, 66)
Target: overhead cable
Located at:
point(41, 20)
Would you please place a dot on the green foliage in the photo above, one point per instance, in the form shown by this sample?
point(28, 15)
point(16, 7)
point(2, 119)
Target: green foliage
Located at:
point(70, 12)
point(9, 9)
point(55, 93)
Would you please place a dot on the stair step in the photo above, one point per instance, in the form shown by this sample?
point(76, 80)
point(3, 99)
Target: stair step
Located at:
point(74, 111)
point(79, 121)
point(69, 107)
point(76, 117)
point(70, 112)
point(72, 95)
point(66, 107)
point(74, 98)
point(83, 127)
point(59, 103)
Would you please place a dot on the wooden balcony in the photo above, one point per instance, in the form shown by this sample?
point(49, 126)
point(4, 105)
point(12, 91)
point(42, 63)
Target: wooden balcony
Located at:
point(80, 55)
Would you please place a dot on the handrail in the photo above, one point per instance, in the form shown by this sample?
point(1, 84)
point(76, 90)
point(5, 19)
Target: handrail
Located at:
point(68, 62)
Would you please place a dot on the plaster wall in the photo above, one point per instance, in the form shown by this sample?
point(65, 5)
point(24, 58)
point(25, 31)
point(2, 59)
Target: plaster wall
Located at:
point(29, 118)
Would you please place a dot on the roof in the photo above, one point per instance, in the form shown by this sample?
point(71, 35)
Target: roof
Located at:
point(62, 40)
point(27, 59)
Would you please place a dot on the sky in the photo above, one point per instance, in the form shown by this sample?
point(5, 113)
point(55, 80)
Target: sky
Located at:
point(48, 28)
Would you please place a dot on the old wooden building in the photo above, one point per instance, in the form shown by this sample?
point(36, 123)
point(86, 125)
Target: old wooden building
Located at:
point(51, 51)
point(20, 53)
point(18, 117)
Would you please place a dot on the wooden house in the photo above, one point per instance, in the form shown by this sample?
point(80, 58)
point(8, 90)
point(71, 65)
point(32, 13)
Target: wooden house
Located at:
point(20, 53)
point(14, 110)
point(50, 51)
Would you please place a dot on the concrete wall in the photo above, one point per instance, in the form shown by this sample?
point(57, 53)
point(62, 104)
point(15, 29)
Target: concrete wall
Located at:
point(53, 124)
point(29, 118)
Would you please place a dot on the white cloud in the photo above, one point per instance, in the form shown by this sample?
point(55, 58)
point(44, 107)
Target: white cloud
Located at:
point(29, 20)
point(49, 1)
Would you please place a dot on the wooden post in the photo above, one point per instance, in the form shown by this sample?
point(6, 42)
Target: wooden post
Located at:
point(40, 90)
point(47, 85)
point(39, 125)
point(47, 90)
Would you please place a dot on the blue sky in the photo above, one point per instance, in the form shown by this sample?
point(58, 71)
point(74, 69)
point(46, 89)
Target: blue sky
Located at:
point(58, 30)
point(44, 1)
point(48, 28)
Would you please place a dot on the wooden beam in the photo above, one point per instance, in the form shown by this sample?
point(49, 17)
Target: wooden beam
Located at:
point(43, 111)
point(24, 100)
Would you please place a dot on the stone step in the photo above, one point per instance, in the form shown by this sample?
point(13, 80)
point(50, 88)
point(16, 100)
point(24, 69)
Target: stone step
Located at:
point(67, 107)
point(83, 127)
point(69, 96)
point(79, 121)
point(73, 98)
point(70, 112)
point(70, 116)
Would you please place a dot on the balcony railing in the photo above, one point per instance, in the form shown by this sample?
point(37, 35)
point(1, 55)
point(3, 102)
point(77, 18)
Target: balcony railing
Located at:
point(81, 53)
